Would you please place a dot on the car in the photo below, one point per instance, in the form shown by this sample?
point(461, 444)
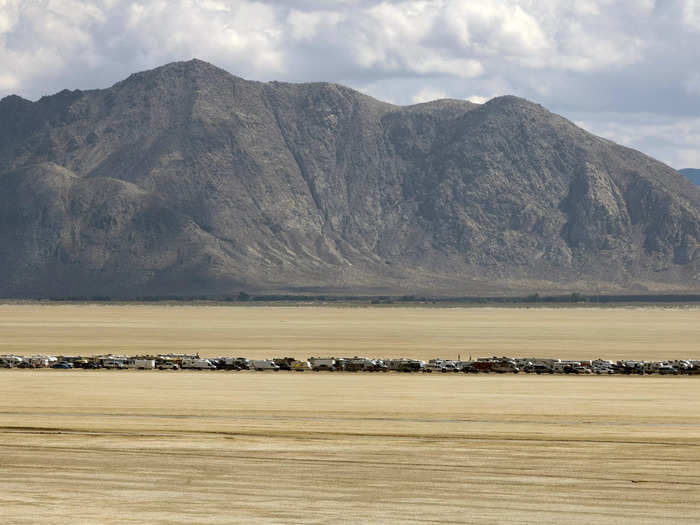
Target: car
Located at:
point(63, 365)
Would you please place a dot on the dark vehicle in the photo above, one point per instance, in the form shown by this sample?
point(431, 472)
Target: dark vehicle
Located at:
point(357, 364)
point(62, 365)
point(242, 363)
point(284, 363)
point(538, 368)
point(481, 366)
point(405, 365)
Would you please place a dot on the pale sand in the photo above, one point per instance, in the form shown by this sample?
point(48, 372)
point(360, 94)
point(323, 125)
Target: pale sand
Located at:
point(107, 447)
point(263, 332)
point(102, 447)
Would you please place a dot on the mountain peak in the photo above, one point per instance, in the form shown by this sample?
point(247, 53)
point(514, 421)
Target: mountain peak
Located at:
point(184, 179)
point(192, 69)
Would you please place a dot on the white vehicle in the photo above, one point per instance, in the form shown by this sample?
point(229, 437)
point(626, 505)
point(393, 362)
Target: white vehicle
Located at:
point(566, 367)
point(442, 365)
point(166, 364)
point(141, 364)
point(602, 363)
point(197, 364)
point(547, 362)
point(114, 363)
point(10, 361)
point(682, 365)
point(505, 366)
point(322, 363)
point(263, 364)
point(42, 361)
point(658, 367)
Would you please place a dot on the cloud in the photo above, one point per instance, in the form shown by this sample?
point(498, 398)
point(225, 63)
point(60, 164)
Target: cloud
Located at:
point(691, 13)
point(612, 57)
point(428, 94)
point(478, 99)
point(672, 139)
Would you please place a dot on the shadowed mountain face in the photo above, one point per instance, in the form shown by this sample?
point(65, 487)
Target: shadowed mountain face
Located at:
point(693, 175)
point(186, 179)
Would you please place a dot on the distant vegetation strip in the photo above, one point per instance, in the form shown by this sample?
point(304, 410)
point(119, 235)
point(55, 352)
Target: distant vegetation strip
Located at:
point(245, 298)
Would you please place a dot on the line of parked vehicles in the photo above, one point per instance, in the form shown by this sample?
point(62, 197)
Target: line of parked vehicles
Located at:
point(485, 365)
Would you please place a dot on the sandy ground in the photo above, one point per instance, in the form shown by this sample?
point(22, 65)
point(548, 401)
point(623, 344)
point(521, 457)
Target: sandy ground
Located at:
point(107, 447)
point(424, 333)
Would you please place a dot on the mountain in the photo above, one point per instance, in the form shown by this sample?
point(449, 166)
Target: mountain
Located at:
point(693, 175)
point(188, 180)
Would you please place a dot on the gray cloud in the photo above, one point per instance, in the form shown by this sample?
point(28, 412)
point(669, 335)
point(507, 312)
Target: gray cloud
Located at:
point(625, 69)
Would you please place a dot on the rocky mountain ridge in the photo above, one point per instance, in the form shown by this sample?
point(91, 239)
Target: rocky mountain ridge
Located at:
point(188, 180)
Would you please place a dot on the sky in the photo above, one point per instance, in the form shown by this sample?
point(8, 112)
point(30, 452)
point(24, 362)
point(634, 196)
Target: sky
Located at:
point(628, 70)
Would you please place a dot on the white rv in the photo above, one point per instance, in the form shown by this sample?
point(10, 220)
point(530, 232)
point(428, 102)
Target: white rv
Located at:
point(322, 363)
point(197, 364)
point(141, 364)
point(263, 364)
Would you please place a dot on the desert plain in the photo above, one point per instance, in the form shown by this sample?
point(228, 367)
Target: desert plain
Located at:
point(95, 446)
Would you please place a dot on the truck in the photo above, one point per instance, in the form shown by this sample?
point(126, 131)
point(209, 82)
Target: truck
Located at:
point(630, 367)
point(234, 363)
point(566, 367)
point(406, 365)
point(197, 363)
point(504, 366)
point(358, 364)
point(264, 364)
point(166, 364)
point(481, 365)
point(300, 366)
point(443, 365)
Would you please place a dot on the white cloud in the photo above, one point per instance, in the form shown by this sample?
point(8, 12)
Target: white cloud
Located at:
point(306, 25)
point(673, 140)
point(572, 56)
point(494, 26)
point(428, 94)
point(478, 99)
point(691, 13)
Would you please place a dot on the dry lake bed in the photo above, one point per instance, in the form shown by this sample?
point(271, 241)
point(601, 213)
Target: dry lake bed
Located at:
point(102, 447)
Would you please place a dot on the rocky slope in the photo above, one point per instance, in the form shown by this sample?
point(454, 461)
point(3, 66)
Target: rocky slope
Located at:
point(186, 179)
